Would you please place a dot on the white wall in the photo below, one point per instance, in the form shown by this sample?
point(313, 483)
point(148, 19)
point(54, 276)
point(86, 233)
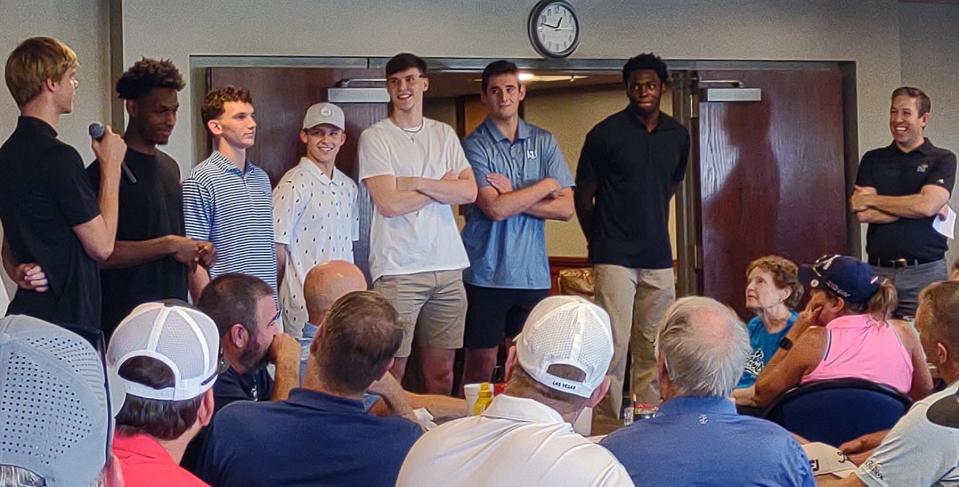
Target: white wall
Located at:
point(864, 31)
point(930, 61)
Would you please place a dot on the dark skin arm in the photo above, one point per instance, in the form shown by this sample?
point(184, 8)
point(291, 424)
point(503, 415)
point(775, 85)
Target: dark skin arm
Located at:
point(583, 199)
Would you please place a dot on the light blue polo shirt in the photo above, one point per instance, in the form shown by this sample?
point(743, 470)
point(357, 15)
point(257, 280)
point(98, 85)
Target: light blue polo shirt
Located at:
point(703, 441)
point(511, 253)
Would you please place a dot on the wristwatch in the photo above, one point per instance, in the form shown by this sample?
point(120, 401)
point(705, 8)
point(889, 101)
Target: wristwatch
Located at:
point(785, 343)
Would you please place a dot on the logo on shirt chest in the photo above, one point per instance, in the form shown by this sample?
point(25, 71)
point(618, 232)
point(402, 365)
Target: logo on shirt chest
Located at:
point(922, 167)
point(530, 154)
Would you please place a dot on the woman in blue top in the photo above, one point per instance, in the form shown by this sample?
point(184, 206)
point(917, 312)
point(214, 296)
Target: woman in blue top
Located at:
point(772, 292)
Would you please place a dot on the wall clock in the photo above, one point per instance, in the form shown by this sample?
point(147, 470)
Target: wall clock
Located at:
point(554, 28)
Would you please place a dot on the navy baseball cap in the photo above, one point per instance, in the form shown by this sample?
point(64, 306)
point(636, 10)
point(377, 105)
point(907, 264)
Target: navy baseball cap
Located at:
point(847, 277)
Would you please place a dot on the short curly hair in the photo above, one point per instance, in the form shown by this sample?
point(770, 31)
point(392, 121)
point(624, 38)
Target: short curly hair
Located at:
point(646, 61)
point(785, 276)
point(147, 74)
point(213, 102)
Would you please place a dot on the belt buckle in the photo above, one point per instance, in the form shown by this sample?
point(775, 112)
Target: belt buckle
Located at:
point(901, 262)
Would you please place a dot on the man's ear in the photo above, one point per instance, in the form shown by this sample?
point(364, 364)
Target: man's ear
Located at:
point(238, 335)
point(924, 120)
point(426, 84)
point(131, 107)
point(214, 127)
point(303, 136)
point(50, 84)
point(943, 354)
point(205, 414)
point(599, 393)
point(511, 361)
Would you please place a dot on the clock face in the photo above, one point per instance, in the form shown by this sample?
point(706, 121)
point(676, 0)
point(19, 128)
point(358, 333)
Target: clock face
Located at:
point(554, 29)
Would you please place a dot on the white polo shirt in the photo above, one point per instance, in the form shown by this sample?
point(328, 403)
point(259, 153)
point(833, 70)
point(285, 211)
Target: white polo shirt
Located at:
point(515, 442)
point(424, 240)
point(317, 219)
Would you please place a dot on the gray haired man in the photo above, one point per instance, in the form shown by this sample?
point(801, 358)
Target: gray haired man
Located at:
point(697, 434)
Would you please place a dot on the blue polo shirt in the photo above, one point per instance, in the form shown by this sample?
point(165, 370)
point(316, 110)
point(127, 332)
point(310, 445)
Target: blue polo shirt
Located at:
point(511, 253)
point(703, 441)
point(310, 439)
point(234, 210)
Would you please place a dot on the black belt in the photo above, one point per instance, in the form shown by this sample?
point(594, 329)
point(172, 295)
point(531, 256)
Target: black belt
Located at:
point(896, 263)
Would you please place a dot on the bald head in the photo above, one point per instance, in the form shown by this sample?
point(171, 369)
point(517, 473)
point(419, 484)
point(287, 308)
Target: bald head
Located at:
point(328, 282)
point(704, 345)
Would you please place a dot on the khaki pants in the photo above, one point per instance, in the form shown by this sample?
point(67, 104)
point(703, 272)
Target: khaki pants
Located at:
point(431, 305)
point(636, 300)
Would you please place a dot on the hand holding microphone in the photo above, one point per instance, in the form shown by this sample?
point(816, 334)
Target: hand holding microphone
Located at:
point(110, 150)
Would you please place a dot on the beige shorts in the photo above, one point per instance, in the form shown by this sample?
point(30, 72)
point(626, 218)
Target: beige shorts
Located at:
point(432, 308)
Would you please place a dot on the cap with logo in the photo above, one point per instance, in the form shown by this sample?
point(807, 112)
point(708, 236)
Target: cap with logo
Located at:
point(847, 277)
point(324, 113)
point(54, 402)
point(566, 330)
point(178, 335)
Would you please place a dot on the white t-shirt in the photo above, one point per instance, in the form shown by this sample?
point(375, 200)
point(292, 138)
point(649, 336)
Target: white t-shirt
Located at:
point(916, 452)
point(317, 219)
point(515, 442)
point(424, 240)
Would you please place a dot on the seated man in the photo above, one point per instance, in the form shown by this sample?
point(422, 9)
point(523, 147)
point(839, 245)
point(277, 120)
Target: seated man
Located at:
point(245, 314)
point(325, 284)
point(525, 437)
point(322, 436)
point(697, 436)
point(922, 450)
point(55, 405)
point(168, 381)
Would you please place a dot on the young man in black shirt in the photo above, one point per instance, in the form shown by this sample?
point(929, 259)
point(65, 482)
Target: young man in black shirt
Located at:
point(152, 257)
point(51, 215)
point(899, 191)
point(630, 166)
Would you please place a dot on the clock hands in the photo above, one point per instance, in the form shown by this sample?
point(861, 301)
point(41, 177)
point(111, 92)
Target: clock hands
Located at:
point(554, 27)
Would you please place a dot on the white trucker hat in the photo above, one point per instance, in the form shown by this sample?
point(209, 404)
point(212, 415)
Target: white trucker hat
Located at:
point(566, 330)
point(175, 333)
point(324, 113)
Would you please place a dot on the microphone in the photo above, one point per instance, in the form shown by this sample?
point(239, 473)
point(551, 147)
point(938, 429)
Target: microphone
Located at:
point(96, 131)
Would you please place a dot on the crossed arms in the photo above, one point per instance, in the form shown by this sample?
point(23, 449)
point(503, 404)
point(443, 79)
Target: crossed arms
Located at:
point(395, 196)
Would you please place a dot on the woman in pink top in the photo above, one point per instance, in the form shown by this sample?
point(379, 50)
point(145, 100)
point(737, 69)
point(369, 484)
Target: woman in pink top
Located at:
point(846, 332)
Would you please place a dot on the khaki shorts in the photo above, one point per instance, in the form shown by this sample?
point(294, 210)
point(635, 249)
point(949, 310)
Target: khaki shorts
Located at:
point(432, 308)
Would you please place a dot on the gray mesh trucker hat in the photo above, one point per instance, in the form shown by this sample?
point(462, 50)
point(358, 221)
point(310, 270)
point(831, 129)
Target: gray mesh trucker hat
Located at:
point(56, 419)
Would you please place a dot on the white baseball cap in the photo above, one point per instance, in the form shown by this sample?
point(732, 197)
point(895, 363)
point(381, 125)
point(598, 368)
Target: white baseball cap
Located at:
point(324, 113)
point(175, 333)
point(566, 330)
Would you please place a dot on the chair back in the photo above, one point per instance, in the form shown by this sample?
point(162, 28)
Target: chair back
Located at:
point(838, 410)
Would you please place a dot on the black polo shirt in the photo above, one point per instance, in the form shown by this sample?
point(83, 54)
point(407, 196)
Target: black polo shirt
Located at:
point(634, 171)
point(44, 193)
point(895, 173)
point(151, 208)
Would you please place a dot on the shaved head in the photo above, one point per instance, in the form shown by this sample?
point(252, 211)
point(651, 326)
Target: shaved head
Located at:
point(328, 282)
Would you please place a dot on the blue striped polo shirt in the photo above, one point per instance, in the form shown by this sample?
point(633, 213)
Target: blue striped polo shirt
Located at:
point(234, 210)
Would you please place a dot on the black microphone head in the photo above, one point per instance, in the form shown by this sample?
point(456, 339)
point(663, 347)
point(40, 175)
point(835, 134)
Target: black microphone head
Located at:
point(96, 130)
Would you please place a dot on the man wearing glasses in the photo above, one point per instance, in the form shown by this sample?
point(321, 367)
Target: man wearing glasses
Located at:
point(415, 171)
point(631, 164)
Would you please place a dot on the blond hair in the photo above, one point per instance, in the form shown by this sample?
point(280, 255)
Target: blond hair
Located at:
point(33, 62)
